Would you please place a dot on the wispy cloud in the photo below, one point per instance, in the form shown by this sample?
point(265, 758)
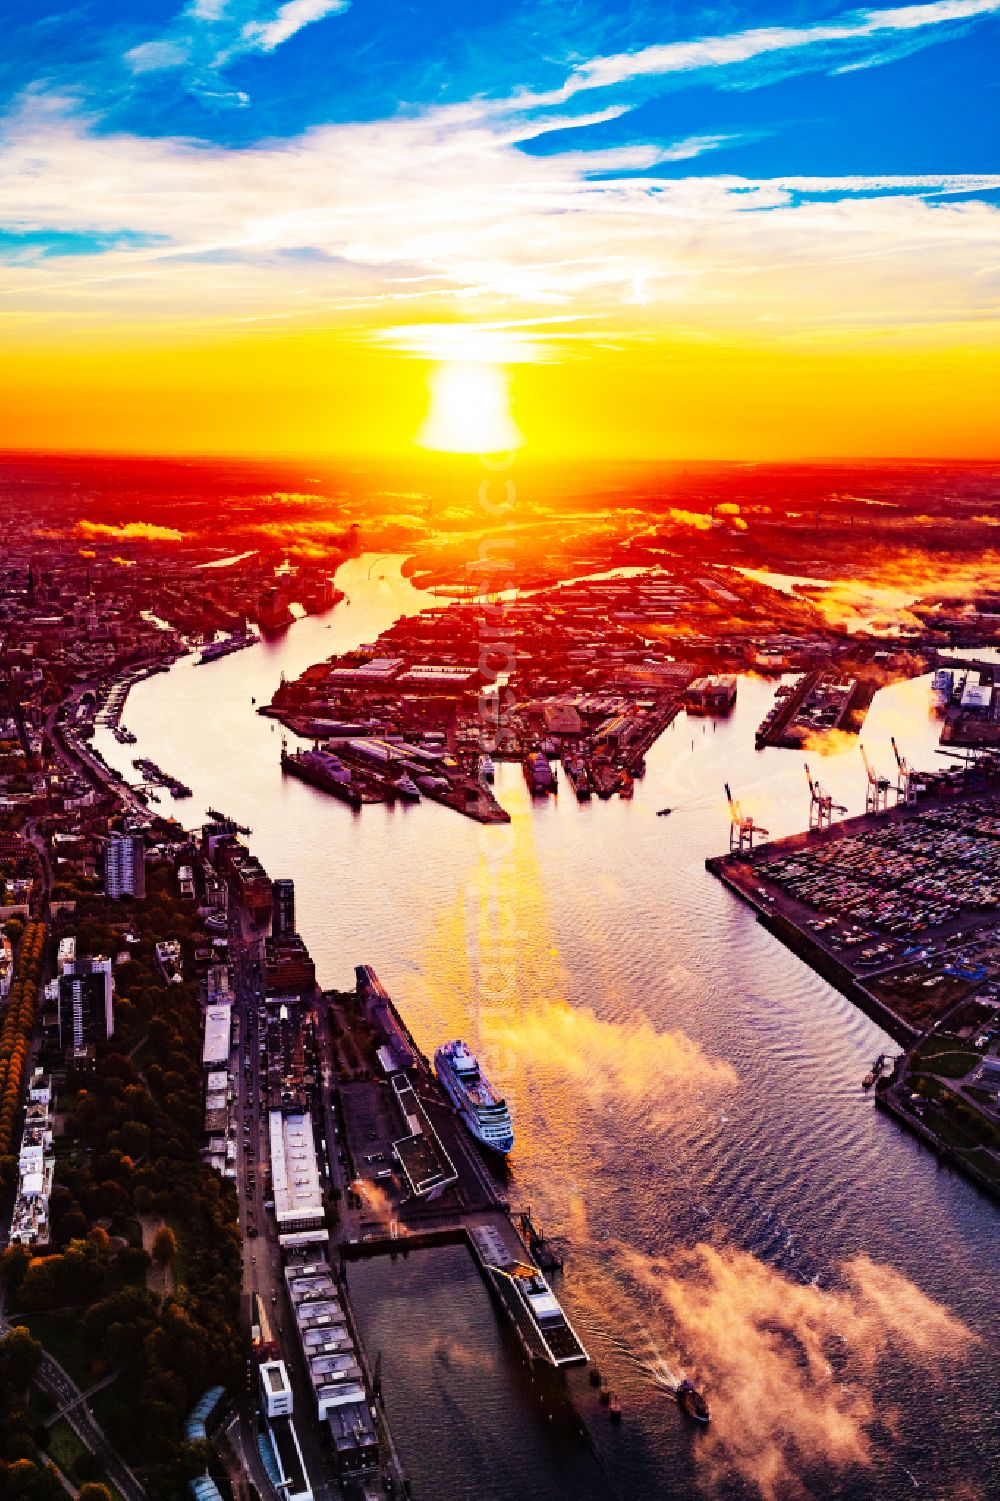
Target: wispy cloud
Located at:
point(208, 35)
point(442, 210)
point(287, 20)
point(805, 46)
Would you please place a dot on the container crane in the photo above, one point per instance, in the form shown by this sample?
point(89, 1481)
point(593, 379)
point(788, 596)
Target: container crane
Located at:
point(877, 795)
point(822, 806)
point(906, 790)
point(742, 829)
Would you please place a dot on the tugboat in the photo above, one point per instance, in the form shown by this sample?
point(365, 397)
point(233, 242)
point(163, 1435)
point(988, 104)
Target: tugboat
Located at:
point(692, 1402)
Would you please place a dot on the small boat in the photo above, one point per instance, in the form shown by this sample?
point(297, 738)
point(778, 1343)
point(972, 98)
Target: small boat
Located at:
point(868, 1080)
point(663, 812)
point(692, 1402)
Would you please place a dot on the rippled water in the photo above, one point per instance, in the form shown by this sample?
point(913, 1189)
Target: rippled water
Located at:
point(463, 1416)
point(678, 1080)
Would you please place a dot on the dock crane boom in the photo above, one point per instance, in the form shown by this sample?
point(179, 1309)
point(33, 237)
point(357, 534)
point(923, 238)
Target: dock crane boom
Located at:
point(742, 829)
point(877, 794)
point(821, 806)
point(906, 789)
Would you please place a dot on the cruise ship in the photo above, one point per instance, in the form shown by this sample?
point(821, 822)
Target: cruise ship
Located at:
point(485, 1114)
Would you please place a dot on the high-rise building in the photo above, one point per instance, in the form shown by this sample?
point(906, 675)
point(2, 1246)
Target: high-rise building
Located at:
point(86, 1008)
point(125, 866)
point(283, 908)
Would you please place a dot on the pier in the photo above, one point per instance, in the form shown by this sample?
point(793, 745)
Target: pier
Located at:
point(442, 1189)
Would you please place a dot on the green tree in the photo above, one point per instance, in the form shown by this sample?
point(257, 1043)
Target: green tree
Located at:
point(13, 1265)
point(164, 1245)
point(20, 1356)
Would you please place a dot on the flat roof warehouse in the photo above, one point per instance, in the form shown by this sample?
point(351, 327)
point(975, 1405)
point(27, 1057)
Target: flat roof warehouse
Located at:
point(298, 1201)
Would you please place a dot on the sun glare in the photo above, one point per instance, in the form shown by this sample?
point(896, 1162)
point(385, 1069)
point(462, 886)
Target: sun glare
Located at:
point(469, 410)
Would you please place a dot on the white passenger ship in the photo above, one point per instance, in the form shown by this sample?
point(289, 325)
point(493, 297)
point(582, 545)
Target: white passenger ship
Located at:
point(485, 1114)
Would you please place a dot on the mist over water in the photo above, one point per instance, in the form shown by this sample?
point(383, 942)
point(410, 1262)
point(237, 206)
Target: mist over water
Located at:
point(686, 1093)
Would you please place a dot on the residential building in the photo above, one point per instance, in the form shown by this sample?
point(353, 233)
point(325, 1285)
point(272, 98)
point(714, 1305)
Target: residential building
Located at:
point(85, 1005)
point(125, 866)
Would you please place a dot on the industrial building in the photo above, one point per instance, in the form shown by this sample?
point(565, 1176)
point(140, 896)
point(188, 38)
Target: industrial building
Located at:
point(298, 1198)
point(218, 1027)
point(711, 695)
point(332, 1365)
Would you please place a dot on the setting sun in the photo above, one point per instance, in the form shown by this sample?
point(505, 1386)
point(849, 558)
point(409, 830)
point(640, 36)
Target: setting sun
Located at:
point(469, 411)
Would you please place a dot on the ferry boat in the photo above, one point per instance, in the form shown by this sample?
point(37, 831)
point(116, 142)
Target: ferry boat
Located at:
point(484, 1113)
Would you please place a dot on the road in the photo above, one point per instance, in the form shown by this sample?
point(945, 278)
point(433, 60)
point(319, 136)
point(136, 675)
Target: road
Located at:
point(75, 755)
point(53, 1378)
point(262, 1272)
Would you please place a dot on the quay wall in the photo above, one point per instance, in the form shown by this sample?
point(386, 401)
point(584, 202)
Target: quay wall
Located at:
point(885, 1100)
point(824, 963)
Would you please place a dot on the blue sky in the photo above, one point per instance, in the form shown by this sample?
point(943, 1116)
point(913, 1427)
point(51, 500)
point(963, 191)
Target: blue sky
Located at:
point(926, 98)
point(545, 153)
